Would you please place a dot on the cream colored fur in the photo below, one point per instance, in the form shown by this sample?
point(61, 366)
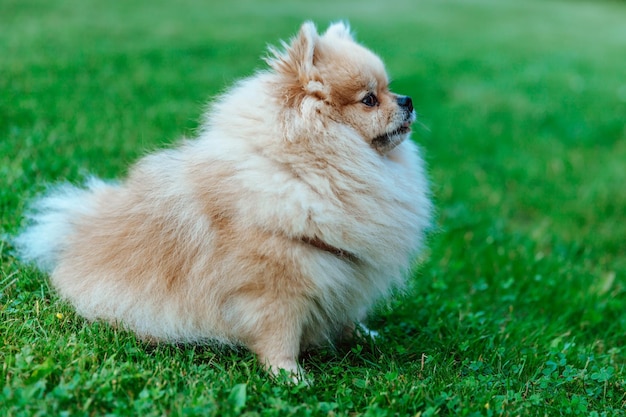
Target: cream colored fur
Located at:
point(208, 241)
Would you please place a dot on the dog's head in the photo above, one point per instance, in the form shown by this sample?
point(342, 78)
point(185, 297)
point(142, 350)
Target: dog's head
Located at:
point(333, 78)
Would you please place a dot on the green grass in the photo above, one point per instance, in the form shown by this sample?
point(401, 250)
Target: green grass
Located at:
point(519, 307)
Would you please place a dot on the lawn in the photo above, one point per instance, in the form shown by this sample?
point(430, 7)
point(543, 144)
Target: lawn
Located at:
point(517, 308)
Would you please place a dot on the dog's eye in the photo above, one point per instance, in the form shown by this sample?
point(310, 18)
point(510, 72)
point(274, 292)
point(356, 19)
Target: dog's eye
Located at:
point(370, 100)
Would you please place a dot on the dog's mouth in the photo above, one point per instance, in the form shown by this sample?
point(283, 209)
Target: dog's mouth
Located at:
point(389, 140)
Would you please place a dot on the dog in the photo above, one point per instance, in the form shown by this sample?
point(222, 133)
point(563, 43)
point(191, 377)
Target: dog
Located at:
point(299, 205)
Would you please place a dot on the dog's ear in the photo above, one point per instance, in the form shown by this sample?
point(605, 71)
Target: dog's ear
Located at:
point(297, 62)
point(339, 30)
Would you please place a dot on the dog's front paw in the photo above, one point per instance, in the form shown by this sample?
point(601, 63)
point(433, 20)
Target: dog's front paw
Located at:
point(359, 330)
point(288, 371)
point(363, 331)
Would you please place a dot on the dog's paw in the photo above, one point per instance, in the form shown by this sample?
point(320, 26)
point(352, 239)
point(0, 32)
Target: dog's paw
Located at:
point(290, 373)
point(363, 331)
point(359, 331)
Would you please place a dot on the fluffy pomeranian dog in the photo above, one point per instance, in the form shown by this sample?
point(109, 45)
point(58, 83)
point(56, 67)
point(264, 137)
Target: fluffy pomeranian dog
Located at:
point(298, 206)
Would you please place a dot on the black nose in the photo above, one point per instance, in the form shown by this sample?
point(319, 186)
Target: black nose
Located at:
point(406, 102)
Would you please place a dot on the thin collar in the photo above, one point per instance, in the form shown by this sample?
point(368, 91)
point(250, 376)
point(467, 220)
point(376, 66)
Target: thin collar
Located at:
point(320, 244)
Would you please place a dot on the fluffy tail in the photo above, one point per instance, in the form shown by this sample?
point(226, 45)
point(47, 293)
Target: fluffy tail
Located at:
point(51, 220)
